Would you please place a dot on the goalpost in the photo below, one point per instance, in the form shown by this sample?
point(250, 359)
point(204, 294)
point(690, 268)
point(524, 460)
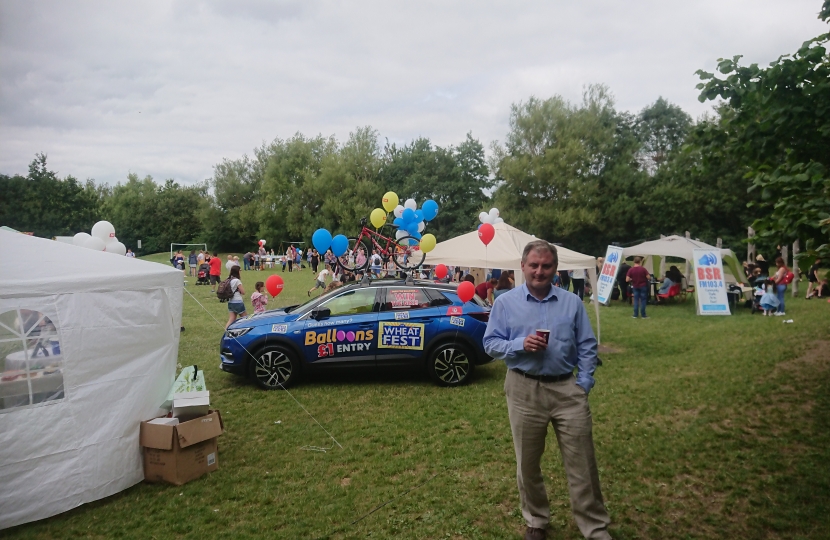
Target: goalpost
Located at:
point(172, 246)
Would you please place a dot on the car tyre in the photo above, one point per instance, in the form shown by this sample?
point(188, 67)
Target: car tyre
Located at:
point(274, 367)
point(450, 364)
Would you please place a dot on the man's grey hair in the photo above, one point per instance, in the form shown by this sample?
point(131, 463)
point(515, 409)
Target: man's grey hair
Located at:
point(541, 246)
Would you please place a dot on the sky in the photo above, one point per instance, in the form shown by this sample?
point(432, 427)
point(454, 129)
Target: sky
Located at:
point(171, 88)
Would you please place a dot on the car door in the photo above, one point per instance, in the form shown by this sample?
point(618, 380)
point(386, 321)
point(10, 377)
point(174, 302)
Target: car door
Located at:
point(406, 323)
point(347, 334)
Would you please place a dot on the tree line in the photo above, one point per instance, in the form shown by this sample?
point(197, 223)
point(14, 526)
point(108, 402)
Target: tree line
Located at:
point(581, 174)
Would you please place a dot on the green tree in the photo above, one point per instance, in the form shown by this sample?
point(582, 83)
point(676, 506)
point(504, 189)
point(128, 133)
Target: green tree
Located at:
point(779, 129)
point(663, 128)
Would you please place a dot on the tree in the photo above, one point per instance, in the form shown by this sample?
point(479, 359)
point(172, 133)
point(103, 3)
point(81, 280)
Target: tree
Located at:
point(663, 128)
point(780, 130)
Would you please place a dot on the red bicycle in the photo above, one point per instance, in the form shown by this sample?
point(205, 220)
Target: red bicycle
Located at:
point(404, 251)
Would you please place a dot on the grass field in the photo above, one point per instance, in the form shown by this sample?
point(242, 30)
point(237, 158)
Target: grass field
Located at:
point(705, 427)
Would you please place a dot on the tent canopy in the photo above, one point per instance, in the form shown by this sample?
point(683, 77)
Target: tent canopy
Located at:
point(95, 336)
point(681, 248)
point(504, 251)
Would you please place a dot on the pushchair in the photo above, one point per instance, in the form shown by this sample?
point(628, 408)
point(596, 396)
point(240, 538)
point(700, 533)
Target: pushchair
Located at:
point(203, 274)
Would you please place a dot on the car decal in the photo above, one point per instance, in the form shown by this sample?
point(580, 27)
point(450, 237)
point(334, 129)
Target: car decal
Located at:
point(404, 298)
point(457, 321)
point(401, 315)
point(455, 310)
point(317, 324)
point(279, 328)
point(333, 335)
point(408, 336)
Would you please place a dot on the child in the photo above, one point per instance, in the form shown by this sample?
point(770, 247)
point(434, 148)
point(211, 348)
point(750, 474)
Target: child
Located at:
point(769, 302)
point(258, 299)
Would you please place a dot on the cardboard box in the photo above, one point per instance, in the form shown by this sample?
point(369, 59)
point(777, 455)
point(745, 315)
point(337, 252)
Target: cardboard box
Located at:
point(189, 405)
point(181, 453)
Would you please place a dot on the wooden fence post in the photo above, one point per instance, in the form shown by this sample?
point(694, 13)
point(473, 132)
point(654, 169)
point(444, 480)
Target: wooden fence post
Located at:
point(750, 248)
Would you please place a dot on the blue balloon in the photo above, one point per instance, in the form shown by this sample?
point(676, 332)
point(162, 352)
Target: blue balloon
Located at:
point(479, 226)
point(419, 215)
point(416, 235)
point(321, 240)
point(408, 215)
point(398, 222)
point(339, 245)
point(430, 209)
point(412, 228)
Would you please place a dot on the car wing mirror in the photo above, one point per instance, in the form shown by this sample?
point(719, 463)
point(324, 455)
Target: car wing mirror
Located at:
point(321, 313)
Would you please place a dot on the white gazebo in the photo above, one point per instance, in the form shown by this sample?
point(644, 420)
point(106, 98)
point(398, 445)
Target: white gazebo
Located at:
point(680, 247)
point(505, 252)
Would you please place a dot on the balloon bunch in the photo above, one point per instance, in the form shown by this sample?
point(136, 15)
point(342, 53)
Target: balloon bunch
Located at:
point(486, 231)
point(409, 219)
point(322, 241)
point(102, 239)
point(262, 243)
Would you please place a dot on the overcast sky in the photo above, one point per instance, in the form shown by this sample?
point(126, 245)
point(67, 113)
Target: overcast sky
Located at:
point(169, 89)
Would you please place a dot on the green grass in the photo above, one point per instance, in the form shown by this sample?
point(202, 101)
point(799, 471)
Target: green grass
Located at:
point(705, 427)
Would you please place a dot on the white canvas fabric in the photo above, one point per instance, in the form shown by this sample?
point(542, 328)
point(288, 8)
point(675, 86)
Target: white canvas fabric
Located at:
point(505, 252)
point(117, 323)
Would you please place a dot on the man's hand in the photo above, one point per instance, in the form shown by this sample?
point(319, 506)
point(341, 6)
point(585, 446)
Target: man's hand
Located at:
point(534, 343)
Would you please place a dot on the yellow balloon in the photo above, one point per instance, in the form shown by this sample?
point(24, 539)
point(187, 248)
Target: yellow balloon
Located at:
point(390, 200)
point(427, 243)
point(378, 217)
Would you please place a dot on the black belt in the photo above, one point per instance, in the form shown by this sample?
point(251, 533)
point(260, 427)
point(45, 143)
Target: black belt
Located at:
point(544, 378)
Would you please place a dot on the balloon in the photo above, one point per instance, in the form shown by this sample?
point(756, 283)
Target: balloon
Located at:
point(116, 247)
point(421, 226)
point(499, 220)
point(94, 243)
point(427, 243)
point(411, 204)
point(440, 271)
point(398, 212)
point(408, 216)
point(416, 235)
point(466, 291)
point(390, 200)
point(494, 213)
point(401, 233)
point(103, 230)
point(486, 233)
point(483, 217)
point(398, 222)
point(80, 238)
point(430, 209)
point(419, 215)
point(339, 245)
point(412, 228)
point(321, 240)
point(262, 242)
point(378, 217)
point(274, 284)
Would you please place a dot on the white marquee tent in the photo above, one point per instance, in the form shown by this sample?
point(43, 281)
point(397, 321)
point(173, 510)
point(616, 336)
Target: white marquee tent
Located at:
point(682, 248)
point(505, 252)
point(88, 349)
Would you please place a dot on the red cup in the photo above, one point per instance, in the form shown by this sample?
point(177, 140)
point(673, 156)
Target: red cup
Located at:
point(542, 333)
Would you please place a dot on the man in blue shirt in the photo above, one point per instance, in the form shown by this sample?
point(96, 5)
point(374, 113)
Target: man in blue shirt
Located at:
point(541, 389)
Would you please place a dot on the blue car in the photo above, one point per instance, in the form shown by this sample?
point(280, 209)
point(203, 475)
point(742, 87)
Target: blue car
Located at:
point(384, 323)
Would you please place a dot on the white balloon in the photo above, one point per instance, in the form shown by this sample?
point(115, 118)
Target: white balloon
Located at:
point(400, 234)
point(263, 242)
point(116, 248)
point(80, 238)
point(421, 226)
point(411, 204)
point(103, 230)
point(499, 220)
point(483, 217)
point(398, 211)
point(494, 213)
point(94, 243)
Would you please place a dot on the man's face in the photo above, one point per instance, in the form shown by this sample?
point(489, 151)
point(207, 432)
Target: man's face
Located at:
point(539, 269)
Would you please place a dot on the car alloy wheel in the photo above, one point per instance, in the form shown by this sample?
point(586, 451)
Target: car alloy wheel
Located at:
point(274, 367)
point(450, 365)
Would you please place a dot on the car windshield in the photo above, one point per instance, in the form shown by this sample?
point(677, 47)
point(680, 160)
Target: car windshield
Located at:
point(314, 301)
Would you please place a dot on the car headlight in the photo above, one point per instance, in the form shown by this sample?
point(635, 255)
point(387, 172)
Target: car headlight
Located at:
point(237, 332)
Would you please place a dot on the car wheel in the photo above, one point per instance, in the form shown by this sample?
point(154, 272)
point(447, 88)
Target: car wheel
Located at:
point(450, 364)
point(274, 367)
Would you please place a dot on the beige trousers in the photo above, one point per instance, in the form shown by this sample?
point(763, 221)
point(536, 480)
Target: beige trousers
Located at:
point(532, 405)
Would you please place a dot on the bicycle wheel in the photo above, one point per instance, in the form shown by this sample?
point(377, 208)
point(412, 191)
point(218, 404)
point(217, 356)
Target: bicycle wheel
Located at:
point(353, 260)
point(408, 255)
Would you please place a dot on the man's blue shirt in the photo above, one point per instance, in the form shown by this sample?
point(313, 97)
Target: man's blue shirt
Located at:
point(517, 314)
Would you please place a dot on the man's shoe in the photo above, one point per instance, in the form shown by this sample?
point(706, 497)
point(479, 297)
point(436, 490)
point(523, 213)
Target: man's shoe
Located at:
point(533, 533)
point(644, 317)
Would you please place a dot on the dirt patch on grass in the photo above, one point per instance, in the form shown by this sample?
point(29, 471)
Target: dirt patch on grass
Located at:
point(605, 348)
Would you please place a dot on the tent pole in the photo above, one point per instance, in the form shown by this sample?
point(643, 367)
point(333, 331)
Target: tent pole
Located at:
point(592, 275)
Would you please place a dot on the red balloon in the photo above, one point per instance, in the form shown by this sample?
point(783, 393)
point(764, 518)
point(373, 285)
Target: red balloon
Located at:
point(440, 271)
point(486, 233)
point(466, 291)
point(274, 284)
